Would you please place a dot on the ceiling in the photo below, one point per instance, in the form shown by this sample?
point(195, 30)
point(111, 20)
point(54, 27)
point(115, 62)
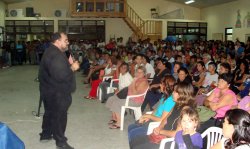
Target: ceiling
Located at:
point(14, 1)
point(203, 3)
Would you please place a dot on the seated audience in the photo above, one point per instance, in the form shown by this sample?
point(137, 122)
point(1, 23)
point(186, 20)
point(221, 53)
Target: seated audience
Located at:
point(183, 96)
point(95, 68)
point(165, 105)
point(109, 70)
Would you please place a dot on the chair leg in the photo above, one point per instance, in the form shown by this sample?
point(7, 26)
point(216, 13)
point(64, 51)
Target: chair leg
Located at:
point(99, 94)
point(122, 117)
point(108, 90)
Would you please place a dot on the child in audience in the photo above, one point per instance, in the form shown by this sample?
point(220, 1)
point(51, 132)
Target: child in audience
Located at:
point(188, 138)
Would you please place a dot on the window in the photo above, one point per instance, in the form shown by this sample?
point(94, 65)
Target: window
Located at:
point(99, 6)
point(187, 30)
point(89, 6)
point(229, 34)
point(83, 29)
point(21, 29)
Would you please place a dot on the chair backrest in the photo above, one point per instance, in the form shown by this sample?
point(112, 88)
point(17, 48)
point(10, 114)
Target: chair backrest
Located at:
point(164, 141)
point(106, 78)
point(213, 134)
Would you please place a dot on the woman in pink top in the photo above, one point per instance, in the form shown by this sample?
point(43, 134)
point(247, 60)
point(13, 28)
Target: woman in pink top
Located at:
point(221, 100)
point(138, 86)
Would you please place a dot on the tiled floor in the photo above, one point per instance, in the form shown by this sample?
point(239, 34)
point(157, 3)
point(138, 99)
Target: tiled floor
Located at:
point(87, 120)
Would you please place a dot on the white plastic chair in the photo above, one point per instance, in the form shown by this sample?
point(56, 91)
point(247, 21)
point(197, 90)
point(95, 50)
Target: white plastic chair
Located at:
point(164, 141)
point(213, 134)
point(99, 91)
point(137, 110)
point(111, 89)
point(150, 80)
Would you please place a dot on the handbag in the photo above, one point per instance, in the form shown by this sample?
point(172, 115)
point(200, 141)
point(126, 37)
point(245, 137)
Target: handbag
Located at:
point(123, 93)
point(156, 139)
point(205, 113)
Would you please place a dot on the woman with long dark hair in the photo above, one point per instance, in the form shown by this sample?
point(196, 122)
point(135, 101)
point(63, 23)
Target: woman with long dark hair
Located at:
point(236, 131)
point(240, 76)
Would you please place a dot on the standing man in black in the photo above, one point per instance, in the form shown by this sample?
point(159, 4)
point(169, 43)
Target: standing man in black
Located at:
point(57, 82)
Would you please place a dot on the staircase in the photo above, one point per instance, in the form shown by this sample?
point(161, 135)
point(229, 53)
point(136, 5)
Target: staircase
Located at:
point(142, 29)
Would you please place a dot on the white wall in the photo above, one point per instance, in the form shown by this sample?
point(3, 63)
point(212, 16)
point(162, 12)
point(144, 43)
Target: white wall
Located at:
point(2, 13)
point(142, 7)
point(224, 16)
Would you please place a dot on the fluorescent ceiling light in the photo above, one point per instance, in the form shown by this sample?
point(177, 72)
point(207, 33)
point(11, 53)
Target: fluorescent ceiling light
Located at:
point(189, 1)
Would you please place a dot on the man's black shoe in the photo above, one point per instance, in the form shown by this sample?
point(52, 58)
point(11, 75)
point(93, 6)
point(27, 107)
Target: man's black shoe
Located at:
point(64, 146)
